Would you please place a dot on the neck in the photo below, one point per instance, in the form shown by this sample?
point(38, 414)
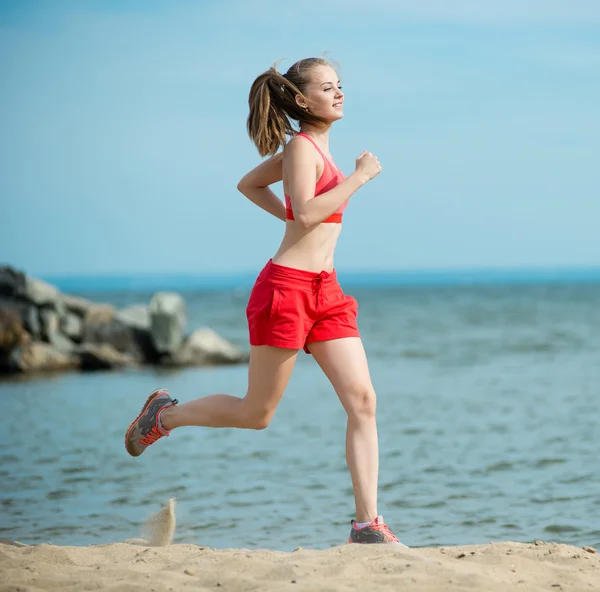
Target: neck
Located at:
point(319, 133)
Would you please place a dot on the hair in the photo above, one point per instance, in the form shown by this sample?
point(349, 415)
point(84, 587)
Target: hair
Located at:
point(273, 105)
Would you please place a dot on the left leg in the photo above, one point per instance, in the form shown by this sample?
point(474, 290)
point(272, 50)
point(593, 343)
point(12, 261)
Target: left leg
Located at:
point(345, 364)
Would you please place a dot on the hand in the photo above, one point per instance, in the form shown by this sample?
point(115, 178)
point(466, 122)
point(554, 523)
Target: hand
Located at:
point(368, 165)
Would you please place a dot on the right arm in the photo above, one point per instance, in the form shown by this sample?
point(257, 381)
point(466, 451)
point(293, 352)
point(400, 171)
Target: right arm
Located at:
point(255, 186)
point(299, 170)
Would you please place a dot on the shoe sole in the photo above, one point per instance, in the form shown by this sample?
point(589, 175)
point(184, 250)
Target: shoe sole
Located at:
point(154, 394)
point(351, 542)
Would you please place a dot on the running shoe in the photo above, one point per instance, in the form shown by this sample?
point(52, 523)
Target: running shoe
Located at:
point(374, 533)
point(146, 428)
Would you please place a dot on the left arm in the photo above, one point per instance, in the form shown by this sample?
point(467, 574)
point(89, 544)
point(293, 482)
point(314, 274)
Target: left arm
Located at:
point(255, 186)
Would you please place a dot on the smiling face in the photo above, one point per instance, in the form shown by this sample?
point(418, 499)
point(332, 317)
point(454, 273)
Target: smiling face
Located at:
point(323, 93)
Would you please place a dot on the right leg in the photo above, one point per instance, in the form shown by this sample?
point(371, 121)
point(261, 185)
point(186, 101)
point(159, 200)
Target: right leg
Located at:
point(269, 372)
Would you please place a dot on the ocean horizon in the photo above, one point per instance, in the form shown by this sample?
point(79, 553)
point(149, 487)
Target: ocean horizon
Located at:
point(188, 282)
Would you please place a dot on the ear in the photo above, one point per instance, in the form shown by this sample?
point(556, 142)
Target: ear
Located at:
point(301, 102)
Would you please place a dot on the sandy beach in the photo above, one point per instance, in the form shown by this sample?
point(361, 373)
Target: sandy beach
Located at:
point(130, 566)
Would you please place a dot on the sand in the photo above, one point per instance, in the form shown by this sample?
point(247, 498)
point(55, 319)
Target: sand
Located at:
point(129, 567)
point(155, 564)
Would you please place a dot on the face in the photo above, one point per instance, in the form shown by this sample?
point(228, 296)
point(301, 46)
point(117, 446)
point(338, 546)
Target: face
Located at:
point(324, 93)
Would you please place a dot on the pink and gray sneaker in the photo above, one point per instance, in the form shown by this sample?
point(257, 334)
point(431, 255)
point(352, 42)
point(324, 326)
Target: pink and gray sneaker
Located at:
point(376, 532)
point(146, 427)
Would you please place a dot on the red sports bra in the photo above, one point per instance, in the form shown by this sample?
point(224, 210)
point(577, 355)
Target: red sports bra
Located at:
point(330, 177)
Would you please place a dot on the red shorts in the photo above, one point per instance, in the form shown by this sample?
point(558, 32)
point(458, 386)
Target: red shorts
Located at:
point(292, 307)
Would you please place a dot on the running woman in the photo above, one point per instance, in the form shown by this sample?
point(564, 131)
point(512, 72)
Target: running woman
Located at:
point(296, 302)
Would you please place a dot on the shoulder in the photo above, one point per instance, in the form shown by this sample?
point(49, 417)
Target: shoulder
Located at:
point(299, 148)
point(298, 145)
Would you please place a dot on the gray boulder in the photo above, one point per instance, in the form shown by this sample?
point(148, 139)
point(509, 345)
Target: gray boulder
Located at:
point(102, 356)
point(206, 347)
point(104, 325)
point(12, 332)
point(72, 326)
point(136, 316)
point(98, 314)
point(40, 357)
point(51, 331)
point(27, 312)
point(40, 292)
point(12, 282)
point(167, 321)
point(112, 332)
point(137, 319)
point(77, 305)
point(50, 322)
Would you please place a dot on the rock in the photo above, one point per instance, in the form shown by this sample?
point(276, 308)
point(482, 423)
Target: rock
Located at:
point(27, 313)
point(51, 331)
point(12, 332)
point(77, 305)
point(205, 346)
point(30, 318)
point(112, 332)
point(144, 349)
point(99, 314)
point(137, 319)
point(12, 282)
point(37, 357)
point(167, 321)
point(50, 322)
point(61, 342)
point(137, 343)
point(102, 356)
point(136, 316)
point(42, 329)
point(72, 326)
point(40, 292)
point(101, 326)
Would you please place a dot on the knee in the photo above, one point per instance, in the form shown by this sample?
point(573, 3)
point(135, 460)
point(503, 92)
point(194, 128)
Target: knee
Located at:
point(363, 405)
point(255, 419)
point(258, 422)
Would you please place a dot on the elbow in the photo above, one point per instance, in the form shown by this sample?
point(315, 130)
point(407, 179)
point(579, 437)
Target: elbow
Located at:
point(304, 221)
point(247, 186)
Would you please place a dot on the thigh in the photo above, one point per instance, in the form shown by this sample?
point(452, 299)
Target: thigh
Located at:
point(344, 362)
point(337, 319)
point(277, 315)
point(269, 372)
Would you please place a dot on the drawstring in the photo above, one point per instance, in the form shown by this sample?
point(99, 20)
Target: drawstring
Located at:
point(316, 286)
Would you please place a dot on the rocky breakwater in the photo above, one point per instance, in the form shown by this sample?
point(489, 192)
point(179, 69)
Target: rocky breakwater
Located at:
point(42, 329)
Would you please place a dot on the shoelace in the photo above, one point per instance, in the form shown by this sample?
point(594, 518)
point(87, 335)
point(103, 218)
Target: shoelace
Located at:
point(386, 531)
point(152, 436)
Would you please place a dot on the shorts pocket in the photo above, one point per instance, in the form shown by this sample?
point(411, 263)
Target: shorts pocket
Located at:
point(275, 300)
point(262, 302)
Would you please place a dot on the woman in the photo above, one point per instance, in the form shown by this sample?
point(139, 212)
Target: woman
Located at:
point(296, 302)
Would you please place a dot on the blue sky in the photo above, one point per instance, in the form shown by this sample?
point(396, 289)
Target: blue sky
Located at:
point(123, 132)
